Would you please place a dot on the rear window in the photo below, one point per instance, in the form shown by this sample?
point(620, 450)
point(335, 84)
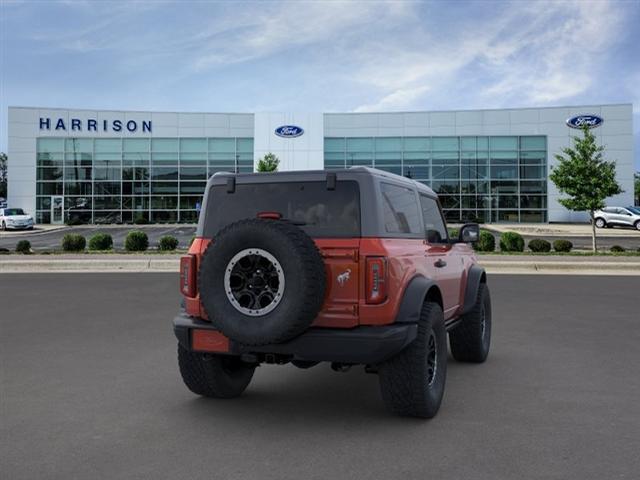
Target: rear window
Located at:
point(320, 212)
point(400, 209)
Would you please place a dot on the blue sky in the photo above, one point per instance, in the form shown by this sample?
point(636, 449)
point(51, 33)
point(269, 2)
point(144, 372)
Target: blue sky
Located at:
point(318, 56)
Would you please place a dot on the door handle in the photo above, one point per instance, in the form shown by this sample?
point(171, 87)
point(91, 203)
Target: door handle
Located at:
point(440, 263)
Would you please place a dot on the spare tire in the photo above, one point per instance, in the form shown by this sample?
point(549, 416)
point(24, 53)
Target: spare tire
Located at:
point(261, 281)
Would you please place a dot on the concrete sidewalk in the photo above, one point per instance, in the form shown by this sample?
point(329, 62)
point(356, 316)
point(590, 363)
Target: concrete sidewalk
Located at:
point(494, 264)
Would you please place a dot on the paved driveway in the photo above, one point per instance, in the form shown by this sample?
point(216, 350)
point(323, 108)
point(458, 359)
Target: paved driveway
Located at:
point(90, 389)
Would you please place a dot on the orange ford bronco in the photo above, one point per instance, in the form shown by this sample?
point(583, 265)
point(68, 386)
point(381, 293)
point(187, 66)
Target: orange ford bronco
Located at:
point(352, 267)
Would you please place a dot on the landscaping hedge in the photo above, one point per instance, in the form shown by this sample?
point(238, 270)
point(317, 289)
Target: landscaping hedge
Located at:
point(73, 242)
point(168, 243)
point(101, 241)
point(539, 245)
point(562, 245)
point(141, 220)
point(23, 246)
point(618, 249)
point(511, 242)
point(136, 241)
point(486, 242)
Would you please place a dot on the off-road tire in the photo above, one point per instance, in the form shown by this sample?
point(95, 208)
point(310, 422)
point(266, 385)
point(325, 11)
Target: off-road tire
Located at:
point(218, 376)
point(303, 270)
point(404, 379)
point(600, 222)
point(471, 339)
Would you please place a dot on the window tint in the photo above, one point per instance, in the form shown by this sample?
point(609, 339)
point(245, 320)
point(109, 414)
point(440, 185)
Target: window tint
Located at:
point(318, 211)
point(400, 209)
point(434, 226)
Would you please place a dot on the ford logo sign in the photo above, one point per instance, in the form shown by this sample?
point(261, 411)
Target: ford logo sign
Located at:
point(581, 121)
point(289, 131)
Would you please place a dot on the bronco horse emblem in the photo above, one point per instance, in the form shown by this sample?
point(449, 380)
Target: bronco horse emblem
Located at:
point(344, 277)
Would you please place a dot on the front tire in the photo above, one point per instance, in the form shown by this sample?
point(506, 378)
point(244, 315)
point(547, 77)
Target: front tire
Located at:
point(470, 341)
point(217, 376)
point(4, 226)
point(600, 223)
point(412, 383)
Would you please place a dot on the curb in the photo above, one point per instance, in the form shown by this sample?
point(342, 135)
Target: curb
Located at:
point(171, 264)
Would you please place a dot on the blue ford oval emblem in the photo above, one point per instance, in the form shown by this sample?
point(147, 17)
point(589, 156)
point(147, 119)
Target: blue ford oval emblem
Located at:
point(581, 121)
point(289, 131)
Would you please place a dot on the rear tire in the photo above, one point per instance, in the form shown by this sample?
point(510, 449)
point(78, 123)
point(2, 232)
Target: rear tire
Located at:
point(412, 383)
point(637, 225)
point(600, 223)
point(218, 376)
point(470, 341)
point(4, 226)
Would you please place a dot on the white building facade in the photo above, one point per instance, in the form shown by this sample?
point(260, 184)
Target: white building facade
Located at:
point(122, 166)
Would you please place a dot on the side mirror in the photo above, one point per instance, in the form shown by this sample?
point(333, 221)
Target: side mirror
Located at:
point(469, 233)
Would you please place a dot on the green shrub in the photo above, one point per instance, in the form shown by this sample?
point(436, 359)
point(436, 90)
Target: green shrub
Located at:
point(511, 242)
point(73, 242)
point(136, 241)
point(168, 243)
point(562, 245)
point(101, 241)
point(486, 242)
point(454, 233)
point(23, 246)
point(618, 249)
point(539, 245)
point(141, 220)
point(5, 251)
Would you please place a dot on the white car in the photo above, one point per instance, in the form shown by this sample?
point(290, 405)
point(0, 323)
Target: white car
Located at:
point(618, 216)
point(15, 218)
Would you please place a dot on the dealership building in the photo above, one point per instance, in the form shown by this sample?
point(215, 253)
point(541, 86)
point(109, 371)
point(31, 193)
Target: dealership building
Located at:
point(105, 166)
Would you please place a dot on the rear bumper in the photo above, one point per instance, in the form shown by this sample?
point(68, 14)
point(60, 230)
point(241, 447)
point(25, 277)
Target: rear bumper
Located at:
point(364, 345)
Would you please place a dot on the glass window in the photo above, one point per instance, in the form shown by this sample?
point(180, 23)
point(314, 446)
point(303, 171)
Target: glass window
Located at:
point(193, 145)
point(502, 171)
point(400, 209)
point(388, 144)
point(193, 173)
point(434, 225)
point(483, 143)
point(135, 145)
point(164, 216)
point(106, 173)
point(417, 144)
point(108, 145)
point(334, 159)
point(359, 144)
point(468, 143)
point(164, 202)
point(77, 188)
point(193, 158)
point(50, 145)
point(222, 145)
point(446, 172)
point(165, 173)
point(533, 143)
point(446, 186)
point(504, 143)
point(50, 159)
point(388, 158)
point(77, 203)
point(244, 145)
point(322, 212)
point(75, 159)
point(416, 172)
point(164, 188)
point(416, 158)
point(77, 173)
point(191, 188)
point(334, 145)
point(78, 145)
point(106, 188)
point(536, 158)
point(164, 159)
point(537, 171)
point(166, 145)
point(445, 144)
point(49, 173)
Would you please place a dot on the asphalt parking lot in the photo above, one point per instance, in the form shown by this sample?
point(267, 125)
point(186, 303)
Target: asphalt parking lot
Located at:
point(90, 389)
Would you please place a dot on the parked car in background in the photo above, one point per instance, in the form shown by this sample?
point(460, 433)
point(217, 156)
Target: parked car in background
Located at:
point(15, 218)
point(3, 202)
point(618, 216)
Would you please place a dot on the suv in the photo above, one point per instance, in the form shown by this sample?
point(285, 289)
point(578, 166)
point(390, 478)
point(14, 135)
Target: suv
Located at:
point(352, 267)
point(618, 216)
point(15, 218)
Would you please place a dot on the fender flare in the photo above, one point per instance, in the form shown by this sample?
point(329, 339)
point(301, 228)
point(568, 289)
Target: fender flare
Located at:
point(475, 277)
point(413, 298)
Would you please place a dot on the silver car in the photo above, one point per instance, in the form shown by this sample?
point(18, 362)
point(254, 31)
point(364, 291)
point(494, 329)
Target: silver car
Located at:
point(618, 216)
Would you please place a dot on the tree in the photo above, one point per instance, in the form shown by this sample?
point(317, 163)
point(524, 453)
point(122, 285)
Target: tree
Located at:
point(585, 177)
point(268, 163)
point(636, 187)
point(3, 174)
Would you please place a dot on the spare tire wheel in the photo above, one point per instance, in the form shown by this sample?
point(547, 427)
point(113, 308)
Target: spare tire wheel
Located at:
point(262, 281)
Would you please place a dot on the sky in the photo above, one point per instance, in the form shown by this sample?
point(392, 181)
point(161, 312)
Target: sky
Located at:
point(318, 55)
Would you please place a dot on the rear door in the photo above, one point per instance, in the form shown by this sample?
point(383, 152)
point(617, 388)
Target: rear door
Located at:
point(447, 266)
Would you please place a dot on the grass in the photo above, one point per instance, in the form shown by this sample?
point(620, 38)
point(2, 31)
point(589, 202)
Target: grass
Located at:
point(580, 253)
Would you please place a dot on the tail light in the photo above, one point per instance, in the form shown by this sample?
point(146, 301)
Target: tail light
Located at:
point(188, 275)
point(376, 283)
